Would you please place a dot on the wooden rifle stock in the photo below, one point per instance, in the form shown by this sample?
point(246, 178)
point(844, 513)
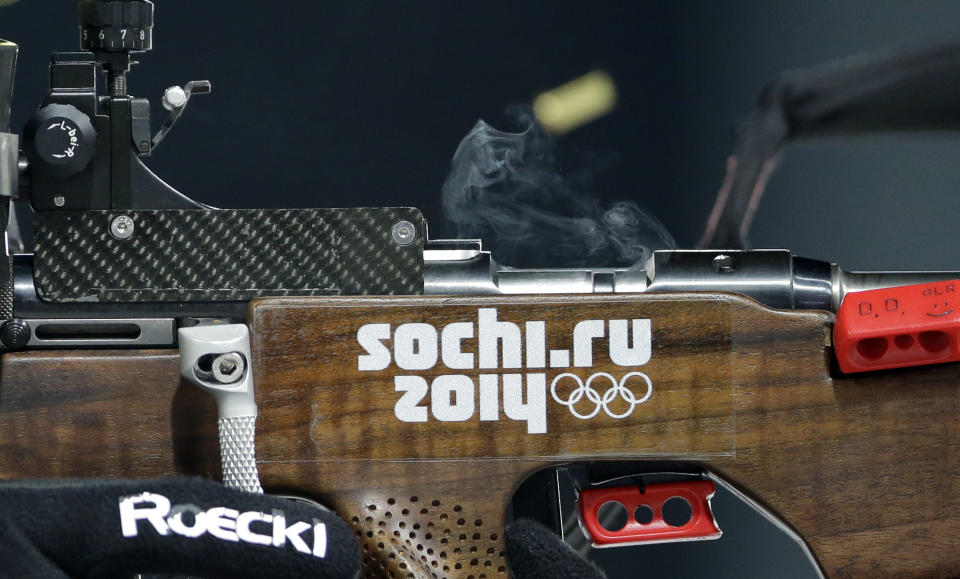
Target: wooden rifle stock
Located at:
point(865, 468)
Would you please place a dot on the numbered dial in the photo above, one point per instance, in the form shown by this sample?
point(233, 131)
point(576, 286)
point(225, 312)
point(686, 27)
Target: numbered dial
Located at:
point(122, 26)
point(110, 39)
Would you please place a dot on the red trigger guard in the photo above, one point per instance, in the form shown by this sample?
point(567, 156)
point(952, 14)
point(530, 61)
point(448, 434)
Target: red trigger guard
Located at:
point(697, 494)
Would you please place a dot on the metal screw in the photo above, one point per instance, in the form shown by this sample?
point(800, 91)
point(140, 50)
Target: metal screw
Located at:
point(404, 233)
point(228, 368)
point(118, 85)
point(59, 200)
point(724, 264)
point(121, 227)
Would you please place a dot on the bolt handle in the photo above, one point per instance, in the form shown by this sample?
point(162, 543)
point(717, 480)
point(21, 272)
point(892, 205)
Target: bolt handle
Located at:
point(238, 453)
point(175, 100)
point(216, 358)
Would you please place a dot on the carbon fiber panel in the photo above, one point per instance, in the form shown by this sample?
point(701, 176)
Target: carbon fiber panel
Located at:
point(226, 254)
point(6, 294)
point(6, 291)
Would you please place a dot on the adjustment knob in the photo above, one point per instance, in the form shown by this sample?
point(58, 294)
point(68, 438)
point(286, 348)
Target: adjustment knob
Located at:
point(15, 333)
point(59, 140)
point(116, 25)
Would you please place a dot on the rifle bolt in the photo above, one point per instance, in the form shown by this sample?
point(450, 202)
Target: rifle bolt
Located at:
point(404, 233)
point(121, 227)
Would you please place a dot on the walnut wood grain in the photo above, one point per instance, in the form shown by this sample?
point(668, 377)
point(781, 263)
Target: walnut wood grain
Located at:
point(865, 468)
point(103, 413)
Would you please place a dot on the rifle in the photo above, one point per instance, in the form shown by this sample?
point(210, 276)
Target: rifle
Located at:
point(417, 417)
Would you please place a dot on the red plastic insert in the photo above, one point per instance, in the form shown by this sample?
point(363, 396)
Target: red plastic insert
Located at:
point(898, 327)
point(648, 506)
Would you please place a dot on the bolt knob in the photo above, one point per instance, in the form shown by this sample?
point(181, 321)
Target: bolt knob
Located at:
point(60, 139)
point(15, 333)
point(116, 25)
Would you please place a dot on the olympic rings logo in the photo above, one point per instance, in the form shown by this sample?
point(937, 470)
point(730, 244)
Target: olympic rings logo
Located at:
point(601, 401)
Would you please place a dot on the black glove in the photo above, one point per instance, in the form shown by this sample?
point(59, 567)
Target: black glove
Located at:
point(118, 528)
point(535, 552)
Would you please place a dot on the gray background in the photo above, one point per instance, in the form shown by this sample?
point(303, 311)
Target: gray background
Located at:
point(363, 103)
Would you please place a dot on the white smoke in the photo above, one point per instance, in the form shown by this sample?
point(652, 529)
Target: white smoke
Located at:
point(507, 189)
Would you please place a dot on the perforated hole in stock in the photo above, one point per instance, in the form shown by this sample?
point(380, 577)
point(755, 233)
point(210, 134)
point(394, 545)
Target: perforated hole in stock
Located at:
point(415, 537)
